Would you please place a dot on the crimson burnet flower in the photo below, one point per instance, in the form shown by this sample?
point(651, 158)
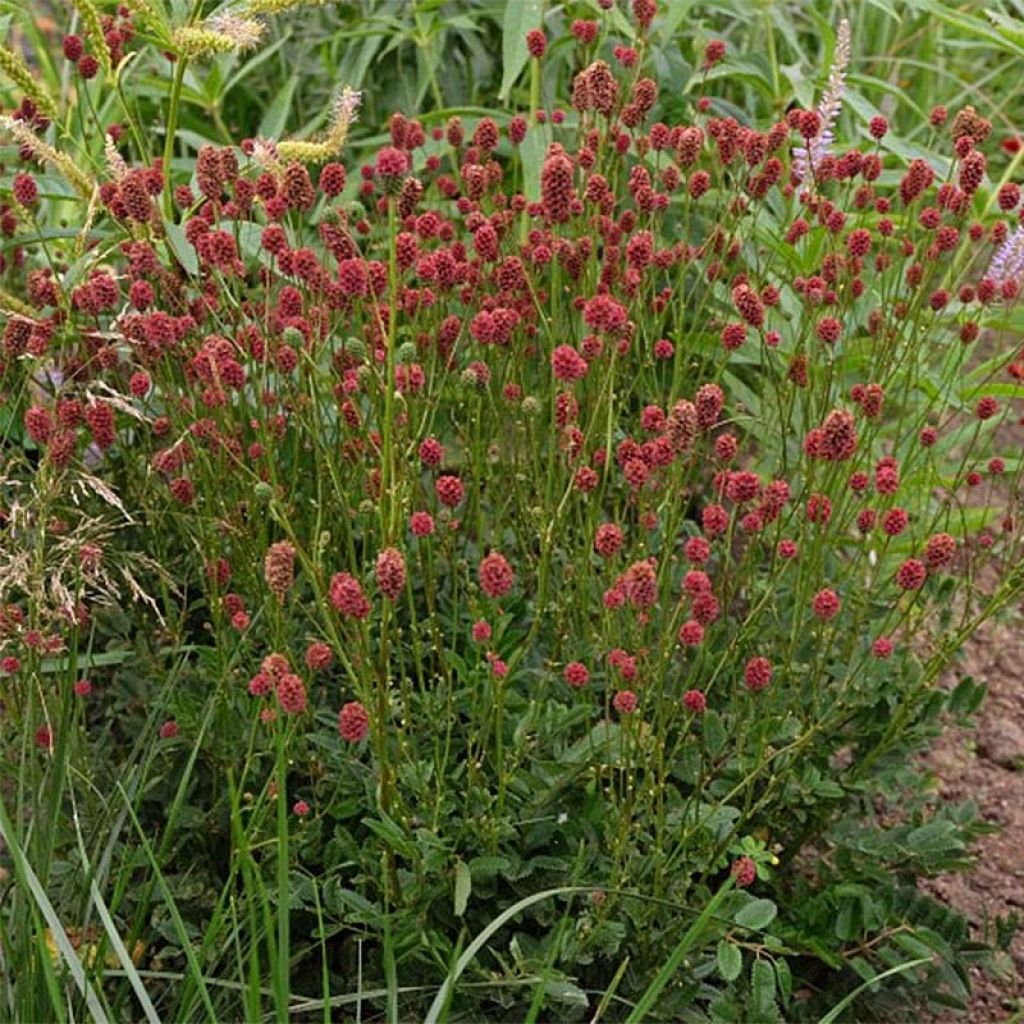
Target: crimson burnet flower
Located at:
point(697, 550)
point(391, 164)
point(733, 336)
point(887, 477)
point(663, 349)
point(715, 520)
point(300, 808)
point(681, 425)
point(431, 452)
point(826, 604)
point(353, 722)
point(421, 524)
point(878, 127)
point(169, 729)
point(391, 573)
point(882, 647)
point(895, 521)
point(495, 574)
point(704, 608)
point(786, 549)
point(536, 43)
point(332, 180)
point(911, 574)
point(73, 47)
point(748, 304)
point(744, 870)
point(38, 424)
point(567, 364)
point(940, 550)
point(347, 596)
point(640, 585)
point(498, 666)
point(695, 582)
point(450, 491)
point(828, 330)
point(291, 694)
point(87, 66)
point(576, 674)
point(757, 674)
point(695, 702)
point(481, 631)
point(24, 189)
point(183, 490)
point(319, 656)
point(608, 539)
point(986, 408)
point(260, 684)
point(691, 633)
point(742, 486)
point(279, 569)
point(714, 51)
point(603, 313)
point(625, 702)
point(556, 187)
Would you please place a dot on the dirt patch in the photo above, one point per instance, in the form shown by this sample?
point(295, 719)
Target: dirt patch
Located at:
point(986, 764)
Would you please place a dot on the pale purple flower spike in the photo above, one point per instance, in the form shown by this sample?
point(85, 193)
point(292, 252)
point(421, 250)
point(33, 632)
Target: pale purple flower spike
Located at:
point(806, 160)
point(1008, 262)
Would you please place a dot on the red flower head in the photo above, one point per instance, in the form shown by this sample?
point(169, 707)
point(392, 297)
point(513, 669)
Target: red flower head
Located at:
point(449, 490)
point(391, 573)
point(496, 576)
point(347, 596)
point(826, 604)
point(353, 722)
point(576, 674)
point(758, 674)
point(625, 702)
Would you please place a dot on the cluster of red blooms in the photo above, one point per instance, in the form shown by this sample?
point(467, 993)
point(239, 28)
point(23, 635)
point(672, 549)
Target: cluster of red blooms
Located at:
point(540, 308)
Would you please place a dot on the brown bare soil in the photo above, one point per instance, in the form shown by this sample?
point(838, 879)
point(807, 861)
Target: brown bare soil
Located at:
point(986, 764)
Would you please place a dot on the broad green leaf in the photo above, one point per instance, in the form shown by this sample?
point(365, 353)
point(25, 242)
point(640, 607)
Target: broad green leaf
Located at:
point(730, 960)
point(756, 915)
point(275, 117)
point(520, 17)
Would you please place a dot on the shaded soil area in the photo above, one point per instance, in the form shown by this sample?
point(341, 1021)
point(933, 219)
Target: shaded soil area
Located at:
point(986, 764)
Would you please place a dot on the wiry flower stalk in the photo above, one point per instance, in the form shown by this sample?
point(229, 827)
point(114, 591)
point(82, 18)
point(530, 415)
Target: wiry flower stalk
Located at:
point(806, 159)
point(1008, 261)
point(93, 26)
point(13, 66)
point(223, 33)
point(45, 153)
point(312, 151)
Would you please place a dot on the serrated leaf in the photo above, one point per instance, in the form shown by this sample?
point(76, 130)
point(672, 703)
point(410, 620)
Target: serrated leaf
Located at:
point(756, 915)
point(730, 961)
point(762, 990)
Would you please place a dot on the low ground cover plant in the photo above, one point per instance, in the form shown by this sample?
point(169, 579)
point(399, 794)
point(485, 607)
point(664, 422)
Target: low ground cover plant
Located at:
point(503, 579)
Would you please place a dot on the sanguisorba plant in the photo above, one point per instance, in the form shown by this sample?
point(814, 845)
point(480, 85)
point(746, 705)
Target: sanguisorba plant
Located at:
point(550, 533)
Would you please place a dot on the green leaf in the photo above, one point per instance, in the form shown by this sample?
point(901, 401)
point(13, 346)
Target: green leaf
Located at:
point(180, 248)
point(275, 117)
point(463, 887)
point(730, 961)
point(520, 17)
point(756, 915)
point(762, 990)
point(714, 733)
